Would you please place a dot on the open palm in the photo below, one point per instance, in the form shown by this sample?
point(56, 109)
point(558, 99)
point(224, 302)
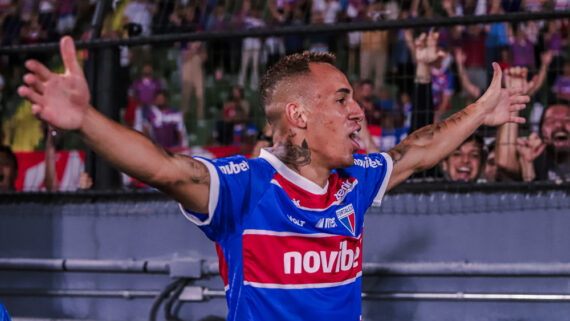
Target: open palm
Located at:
point(499, 104)
point(426, 48)
point(59, 99)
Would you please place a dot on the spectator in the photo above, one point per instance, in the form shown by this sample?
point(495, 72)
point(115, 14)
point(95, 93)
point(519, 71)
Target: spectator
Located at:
point(522, 48)
point(277, 10)
point(533, 5)
point(553, 163)
point(355, 11)
point(184, 18)
point(250, 50)
point(374, 50)
point(498, 35)
point(473, 42)
point(386, 105)
point(554, 42)
point(139, 12)
point(137, 19)
point(219, 51)
point(401, 58)
point(47, 16)
point(12, 25)
point(193, 57)
point(145, 88)
point(442, 84)
point(4, 8)
point(8, 169)
point(27, 9)
point(544, 158)
point(405, 109)
point(364, 95)
point(323, 11)
point(234, 118)
point(165, 15)
point(74, 176)
point(474, 91)
point(264, 140)
point(561, 87)
point(466, 163)
point(32, 31)
point(509, 163)
point(294, 43)
point(163, 124)
point(273, 50)
point(66, 16)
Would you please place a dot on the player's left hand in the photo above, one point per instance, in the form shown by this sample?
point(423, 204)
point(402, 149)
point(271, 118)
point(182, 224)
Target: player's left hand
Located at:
point(498, 103)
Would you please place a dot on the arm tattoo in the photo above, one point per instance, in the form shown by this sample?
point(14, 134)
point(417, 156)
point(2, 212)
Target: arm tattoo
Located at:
point(398, 152)
point(426, 133)
point(292, 154)
point(199, 173)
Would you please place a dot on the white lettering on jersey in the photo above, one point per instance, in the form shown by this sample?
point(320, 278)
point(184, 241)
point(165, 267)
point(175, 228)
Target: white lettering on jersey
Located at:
point(233, 168)
point(325, 261)
point(345, 188)
point(326, 222)
point(367, 162)
point(296, 221)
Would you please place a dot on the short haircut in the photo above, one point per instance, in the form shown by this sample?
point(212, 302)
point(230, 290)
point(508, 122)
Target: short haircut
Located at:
point(289, 66)
point(541, 122)
point(479, 142)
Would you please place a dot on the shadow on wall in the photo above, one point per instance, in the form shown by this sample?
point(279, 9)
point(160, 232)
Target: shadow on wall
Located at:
point(412, 245)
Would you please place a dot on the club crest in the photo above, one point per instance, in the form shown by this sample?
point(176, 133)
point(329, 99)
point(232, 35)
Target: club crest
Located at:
point(346, 217)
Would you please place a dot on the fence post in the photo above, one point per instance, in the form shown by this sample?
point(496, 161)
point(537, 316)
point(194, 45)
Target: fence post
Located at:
point(101, 69)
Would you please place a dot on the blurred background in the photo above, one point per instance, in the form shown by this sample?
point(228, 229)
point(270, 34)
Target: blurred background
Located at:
point(482, 236)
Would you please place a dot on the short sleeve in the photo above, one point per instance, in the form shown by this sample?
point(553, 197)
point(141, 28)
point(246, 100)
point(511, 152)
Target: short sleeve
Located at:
point(229, 188)
point(373, 173)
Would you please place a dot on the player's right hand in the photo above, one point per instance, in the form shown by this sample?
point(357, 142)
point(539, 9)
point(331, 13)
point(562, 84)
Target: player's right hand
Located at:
point(62, 100)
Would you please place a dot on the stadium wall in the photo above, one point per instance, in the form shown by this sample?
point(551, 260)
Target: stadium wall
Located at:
point(509, 227)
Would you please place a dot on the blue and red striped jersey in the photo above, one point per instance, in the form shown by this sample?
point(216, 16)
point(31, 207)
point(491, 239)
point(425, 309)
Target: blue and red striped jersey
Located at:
point(288, 248)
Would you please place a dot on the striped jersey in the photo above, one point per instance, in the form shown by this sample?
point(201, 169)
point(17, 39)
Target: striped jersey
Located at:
point(288, 248)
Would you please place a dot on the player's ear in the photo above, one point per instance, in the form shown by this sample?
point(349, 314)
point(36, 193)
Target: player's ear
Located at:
point(296, 114)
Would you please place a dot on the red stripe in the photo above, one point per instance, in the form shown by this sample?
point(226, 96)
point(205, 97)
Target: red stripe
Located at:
point(223, 264)
point(274, 259)
point(314, 201)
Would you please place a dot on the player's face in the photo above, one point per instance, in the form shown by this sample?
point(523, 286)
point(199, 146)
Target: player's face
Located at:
point(556, 128)
point(333, 117)
point(464, 163)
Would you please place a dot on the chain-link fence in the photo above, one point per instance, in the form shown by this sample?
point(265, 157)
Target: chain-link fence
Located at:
point(204, 60)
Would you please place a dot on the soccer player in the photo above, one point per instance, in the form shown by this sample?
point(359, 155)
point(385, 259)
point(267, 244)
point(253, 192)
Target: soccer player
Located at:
point(287, 225)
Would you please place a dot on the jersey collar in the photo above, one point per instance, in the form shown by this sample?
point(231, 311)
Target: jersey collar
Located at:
point(291, 175)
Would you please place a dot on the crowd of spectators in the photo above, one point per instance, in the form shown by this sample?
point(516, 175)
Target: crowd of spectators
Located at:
point(213, 85)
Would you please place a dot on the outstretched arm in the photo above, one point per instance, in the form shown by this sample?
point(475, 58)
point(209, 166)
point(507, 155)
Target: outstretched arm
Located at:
point(62, 100)
point(427, 146)
point(546, 58)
